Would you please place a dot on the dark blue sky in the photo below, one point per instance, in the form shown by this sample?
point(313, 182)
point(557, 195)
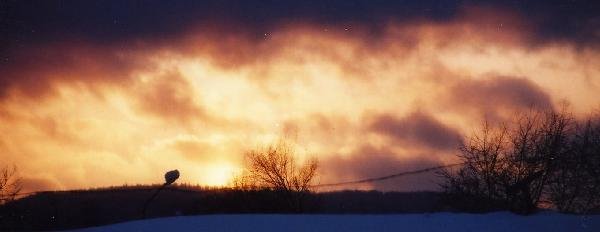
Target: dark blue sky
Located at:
point(25, 22)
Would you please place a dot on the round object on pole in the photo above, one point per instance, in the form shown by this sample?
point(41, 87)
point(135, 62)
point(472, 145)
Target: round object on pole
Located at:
point(171, 176)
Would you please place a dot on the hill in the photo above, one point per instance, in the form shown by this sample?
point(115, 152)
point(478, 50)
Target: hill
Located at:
point(85, 208)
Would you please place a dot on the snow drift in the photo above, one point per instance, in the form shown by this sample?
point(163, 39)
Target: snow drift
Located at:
point(498, 221)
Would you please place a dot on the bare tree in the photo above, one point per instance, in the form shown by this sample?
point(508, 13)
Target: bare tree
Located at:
point(10, 184)
point(537, 144)
point(575, 184)
point(275, 168)
point(509, 167)
point(475, 186)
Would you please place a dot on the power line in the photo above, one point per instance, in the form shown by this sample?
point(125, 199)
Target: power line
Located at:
point(374, 179)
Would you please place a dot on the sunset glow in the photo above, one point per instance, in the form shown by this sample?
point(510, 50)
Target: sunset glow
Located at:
point(80, 114)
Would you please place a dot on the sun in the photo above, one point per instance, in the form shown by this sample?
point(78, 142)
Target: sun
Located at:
point(218, 175)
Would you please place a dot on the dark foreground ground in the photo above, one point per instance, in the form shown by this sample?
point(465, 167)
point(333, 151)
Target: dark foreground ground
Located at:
point(503, 221)
point(85, 208)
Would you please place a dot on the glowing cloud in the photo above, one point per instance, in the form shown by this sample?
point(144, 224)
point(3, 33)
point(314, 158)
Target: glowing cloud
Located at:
point(76, 112)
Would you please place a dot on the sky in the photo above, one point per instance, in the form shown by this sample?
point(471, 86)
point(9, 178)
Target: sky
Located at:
point(104, 93)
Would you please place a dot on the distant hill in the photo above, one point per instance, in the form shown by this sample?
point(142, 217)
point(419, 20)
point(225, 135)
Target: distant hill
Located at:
point(84, 208)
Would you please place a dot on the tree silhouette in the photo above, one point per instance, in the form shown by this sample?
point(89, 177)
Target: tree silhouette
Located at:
point(275, 168)
point(575, 184)
point(10, 184)
point(509, 167)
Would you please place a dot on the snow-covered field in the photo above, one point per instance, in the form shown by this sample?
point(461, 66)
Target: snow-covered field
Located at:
point(501, 221)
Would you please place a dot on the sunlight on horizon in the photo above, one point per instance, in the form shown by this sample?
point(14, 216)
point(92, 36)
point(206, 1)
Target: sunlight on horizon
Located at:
point(200, 102)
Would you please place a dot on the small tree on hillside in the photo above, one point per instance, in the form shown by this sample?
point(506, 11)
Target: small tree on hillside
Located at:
point(275, 168)
point(10, 184)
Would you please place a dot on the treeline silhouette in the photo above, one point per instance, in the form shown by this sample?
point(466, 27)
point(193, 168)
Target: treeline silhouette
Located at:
point(84, 208)
point(542, 158)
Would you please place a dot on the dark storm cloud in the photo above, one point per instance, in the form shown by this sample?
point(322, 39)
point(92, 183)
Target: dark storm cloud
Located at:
point(34, 69)
point(416, 130)
point(105, 21)
point(574, 21)
point(41, 36)
point(119, 26)
point(368, 162)
point(109, 21)
point(490, 95)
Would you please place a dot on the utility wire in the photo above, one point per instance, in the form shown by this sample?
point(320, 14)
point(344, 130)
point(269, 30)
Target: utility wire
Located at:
point(375, 179)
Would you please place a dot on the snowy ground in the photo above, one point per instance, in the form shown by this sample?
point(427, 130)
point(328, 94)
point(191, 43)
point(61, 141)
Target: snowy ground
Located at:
point(501, 221)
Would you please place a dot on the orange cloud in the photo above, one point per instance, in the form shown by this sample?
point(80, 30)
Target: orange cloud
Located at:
point(169, 97)
point(417, 129)
point(74, 114)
